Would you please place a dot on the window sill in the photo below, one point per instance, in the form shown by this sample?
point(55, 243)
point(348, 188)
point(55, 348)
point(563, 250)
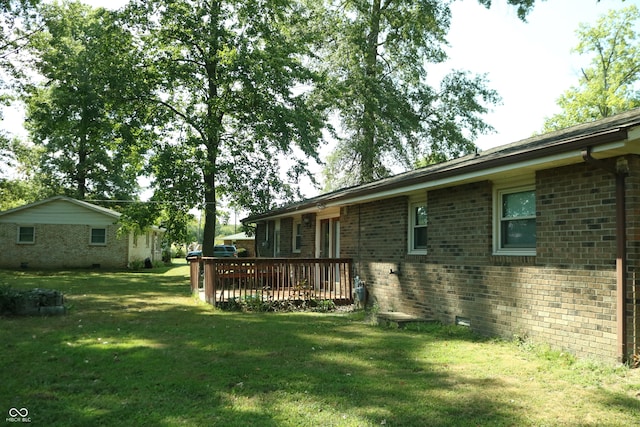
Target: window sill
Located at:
point(417, 252)
point(514, 252)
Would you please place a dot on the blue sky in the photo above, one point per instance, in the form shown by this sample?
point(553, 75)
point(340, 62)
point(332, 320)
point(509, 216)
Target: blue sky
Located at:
point(530, 64)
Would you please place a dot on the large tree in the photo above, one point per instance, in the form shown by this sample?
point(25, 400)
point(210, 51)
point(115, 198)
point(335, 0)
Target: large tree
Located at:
point(81, 110)
point(231, 74)
point(388, 112)
point(13, 38)
point(12, 41)
point(610, 84)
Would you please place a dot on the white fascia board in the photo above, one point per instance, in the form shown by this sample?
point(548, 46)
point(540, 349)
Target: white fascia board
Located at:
point(529, 165)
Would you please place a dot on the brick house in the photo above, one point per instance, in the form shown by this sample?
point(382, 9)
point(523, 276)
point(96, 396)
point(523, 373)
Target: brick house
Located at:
point(539, 238)
point(61, 232)
point(242, 241)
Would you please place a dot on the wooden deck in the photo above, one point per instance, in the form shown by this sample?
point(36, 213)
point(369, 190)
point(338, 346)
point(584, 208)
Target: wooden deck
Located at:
point(221, 280)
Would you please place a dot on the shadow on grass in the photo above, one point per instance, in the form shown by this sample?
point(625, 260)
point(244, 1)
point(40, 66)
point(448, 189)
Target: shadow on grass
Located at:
point(137, 349)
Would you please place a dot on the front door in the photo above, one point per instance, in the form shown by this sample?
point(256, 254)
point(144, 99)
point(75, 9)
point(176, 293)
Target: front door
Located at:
point(328, 244)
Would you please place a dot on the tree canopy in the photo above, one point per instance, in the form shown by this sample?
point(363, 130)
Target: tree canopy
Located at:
point(92, 132)
point(227, 100)
point(231, 76)
point(610, 84)
point(389, 114)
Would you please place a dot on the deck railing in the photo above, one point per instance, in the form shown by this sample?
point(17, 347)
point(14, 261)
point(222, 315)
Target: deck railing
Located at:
point(301, 279)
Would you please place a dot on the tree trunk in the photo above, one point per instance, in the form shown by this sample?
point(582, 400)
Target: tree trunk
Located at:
point(209, 235)
point(212, 127)
point(368, 150)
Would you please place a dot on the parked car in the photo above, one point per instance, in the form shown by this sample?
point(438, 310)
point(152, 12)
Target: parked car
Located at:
point(219, 251)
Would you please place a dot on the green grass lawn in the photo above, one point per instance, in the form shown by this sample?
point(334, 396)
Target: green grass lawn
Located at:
point(137, 349)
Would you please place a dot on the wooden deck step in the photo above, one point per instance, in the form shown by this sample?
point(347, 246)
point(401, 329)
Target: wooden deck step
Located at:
point(399, 318)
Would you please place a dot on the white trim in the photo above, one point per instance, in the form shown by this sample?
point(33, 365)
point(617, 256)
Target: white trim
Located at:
point(502, 173)
point(25, 242)
point(498, 192)
point(297, 222)
point(334, 219)
point(276, 238)
point(532, 165)
point(91, 242)
point(411, 226)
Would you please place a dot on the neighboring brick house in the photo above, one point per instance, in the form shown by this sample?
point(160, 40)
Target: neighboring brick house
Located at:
point(539, 238)
point(242, 241)
point(61, 232)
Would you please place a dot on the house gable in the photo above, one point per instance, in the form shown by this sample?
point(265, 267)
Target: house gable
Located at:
point(60, 210)
point(62, 232)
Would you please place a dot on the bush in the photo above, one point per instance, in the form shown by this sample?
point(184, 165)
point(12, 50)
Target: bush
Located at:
point(136, 264)
point(243, 253)
point(161, 264)
point(255, 303)
point(324, 305)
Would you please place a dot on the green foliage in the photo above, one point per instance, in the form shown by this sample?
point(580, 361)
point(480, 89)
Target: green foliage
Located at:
point(389, 115)
point(610, 85)
point(324, 306)
point(258, 303)
point(226, 74)
point(179, 252)
point(25, 184)
point(93, 134)
point(9, 299)
point(13, 40)
point(139, 264)
point(136, 264)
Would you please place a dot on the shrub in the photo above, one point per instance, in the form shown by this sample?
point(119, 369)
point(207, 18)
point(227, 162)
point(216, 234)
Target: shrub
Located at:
point(179, 253)
point(136, 264)
point(243, 253)
point(324, 305)
point(255, 303)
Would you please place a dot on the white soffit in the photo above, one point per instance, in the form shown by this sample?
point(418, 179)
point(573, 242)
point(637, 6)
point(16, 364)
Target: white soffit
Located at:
point(518, 169)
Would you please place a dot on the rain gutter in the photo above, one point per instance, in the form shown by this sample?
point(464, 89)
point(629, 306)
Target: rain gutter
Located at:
point(620, 171)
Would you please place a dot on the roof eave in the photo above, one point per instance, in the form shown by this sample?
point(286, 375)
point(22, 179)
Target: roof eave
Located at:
point(476, 166)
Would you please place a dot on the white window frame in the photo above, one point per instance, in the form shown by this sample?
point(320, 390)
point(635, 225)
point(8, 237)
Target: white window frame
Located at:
point(297, 225)
point(411, 249)
point(91, 242)
point(26, 242)
point(276, 239)
point(498, 193)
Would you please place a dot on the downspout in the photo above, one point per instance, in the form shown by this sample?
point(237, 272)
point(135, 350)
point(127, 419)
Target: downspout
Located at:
point(620, 171)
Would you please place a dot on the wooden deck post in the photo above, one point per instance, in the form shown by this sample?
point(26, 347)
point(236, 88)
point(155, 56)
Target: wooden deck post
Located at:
point(194, 274)
point(209, 281)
